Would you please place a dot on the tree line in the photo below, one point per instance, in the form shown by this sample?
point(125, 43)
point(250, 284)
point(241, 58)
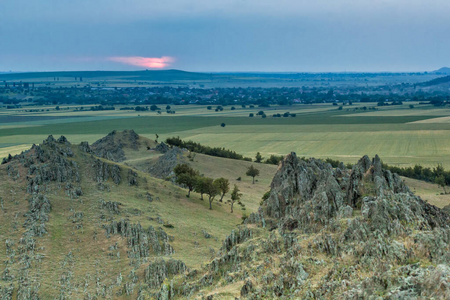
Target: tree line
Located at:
point(192, 180)
point(436, 175)
point(213, 151)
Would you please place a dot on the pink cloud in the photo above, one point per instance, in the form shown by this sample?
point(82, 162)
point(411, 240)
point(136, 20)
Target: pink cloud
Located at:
point(148, 62)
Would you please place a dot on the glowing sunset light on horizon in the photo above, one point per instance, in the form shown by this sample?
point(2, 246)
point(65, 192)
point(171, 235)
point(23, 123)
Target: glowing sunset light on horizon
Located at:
point(148, 62)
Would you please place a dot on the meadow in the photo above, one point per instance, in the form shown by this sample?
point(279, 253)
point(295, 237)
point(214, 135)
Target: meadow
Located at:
point(400, 135)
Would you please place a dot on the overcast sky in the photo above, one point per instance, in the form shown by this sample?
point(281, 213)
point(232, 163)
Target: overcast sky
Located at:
point(225, 35)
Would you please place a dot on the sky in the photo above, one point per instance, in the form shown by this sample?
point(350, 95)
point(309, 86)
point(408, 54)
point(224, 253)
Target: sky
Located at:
point(225, 35)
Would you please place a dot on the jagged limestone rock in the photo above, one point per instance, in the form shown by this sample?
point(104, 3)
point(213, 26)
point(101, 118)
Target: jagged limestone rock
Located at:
point(111, 146)
point(157, 271)
point(346, 222)
point(37, 215)
point(103, 171)
point(84, 146)
point(163, 167)
point(236, 237)
point(162, 147)
point(110, 206)
point(132, 177)
point(141, 241)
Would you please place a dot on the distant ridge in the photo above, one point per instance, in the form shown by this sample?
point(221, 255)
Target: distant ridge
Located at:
point(444, 70)
point(155, 75)
point(436, 81)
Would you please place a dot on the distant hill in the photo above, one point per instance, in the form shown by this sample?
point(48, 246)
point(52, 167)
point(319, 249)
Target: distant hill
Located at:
point(154, 75)
point(443, 70)
point(436, 81)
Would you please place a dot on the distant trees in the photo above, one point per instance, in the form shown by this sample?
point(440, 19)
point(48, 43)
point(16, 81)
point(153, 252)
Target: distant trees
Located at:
point(200, 185)
point(186, 176)
point(274, 159)
point(193, 181)
point(223, 185)
point(258, 157)
point(211, 189)
point(440, 180)
point(196, 147)
point(141, 108)
point(252, 172)
point(235, 196)
point(154, 108)
point(223, 125)
point(422, 173)
point(251, 115)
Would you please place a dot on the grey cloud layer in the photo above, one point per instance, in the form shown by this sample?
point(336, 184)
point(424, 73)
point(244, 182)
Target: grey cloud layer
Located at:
point(226, 35)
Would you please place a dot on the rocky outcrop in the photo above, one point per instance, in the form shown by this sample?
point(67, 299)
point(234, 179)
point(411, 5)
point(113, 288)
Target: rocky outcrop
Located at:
point(112, 146)
point(306, 194)
point(112, 207)
point(84, 146)
point(141, 241)
point(163, 167)
point(104, 171)
point(322, 228)
point(162, 147)
point(157, 271)
point(236, 237)
point(132, 177)
point(37, 215)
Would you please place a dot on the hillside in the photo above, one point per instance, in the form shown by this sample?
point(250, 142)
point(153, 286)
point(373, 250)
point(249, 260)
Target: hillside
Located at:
point(77, 226)
point(443, 70)
point(120, 146)
point(105, 221)
point(437, 81)
point(326, 234)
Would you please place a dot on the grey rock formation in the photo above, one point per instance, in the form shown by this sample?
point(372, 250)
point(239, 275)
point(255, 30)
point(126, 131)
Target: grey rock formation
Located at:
point(132, 177)
point(349, 222)
point(84, 146)
point(110, 206)
point(162, 147)
point(305, 194)
point(157, 271)
point(111, 146)
point(163, 167)
point(104, 171)
point(141, 241)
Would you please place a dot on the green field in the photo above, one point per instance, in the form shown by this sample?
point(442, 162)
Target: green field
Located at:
point(400, 135)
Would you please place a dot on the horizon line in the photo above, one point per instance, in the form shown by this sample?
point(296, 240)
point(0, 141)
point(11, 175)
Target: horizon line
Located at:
point(223, 72)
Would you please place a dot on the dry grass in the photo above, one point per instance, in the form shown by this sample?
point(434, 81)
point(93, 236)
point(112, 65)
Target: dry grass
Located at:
point(430, 192)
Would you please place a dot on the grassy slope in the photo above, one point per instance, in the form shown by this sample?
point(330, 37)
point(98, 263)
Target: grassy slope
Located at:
point(189, 217)
point(430, 192)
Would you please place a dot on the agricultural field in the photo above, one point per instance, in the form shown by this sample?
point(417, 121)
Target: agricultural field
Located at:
point(400, 135)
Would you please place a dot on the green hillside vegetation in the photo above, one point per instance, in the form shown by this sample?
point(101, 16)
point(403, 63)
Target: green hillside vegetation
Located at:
point(76, 243)
point(86, 242)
